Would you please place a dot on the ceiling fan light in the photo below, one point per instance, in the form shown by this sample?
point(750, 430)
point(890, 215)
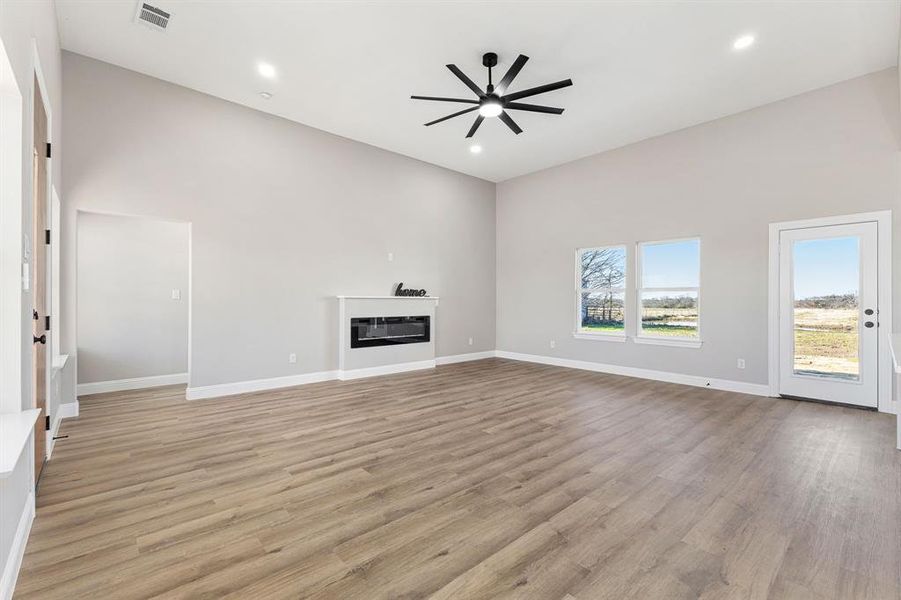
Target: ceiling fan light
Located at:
point(491, 109)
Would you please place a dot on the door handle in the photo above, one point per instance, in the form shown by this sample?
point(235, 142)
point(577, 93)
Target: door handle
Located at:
point(868, 311)
point(40, 340)
point(867, 324)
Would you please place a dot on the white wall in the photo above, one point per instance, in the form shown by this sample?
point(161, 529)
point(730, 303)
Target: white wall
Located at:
point(284, 217)
point(828, 152)
point(129, 326)
point(24, 26)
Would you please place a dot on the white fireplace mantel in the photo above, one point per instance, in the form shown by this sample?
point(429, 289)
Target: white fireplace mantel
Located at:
point(435, 298)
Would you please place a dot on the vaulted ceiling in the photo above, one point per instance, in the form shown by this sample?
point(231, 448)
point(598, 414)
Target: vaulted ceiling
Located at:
point(640, 69)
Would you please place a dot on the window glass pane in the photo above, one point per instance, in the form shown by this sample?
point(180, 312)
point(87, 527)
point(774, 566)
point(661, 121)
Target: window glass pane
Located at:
point(602, 312)
point(603, 268)
point(826, 276)
point(671, 264)
point(669, 314)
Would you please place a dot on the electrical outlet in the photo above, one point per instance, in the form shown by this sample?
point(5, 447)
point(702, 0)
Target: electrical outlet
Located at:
point(176, 294)
point(553, 344)
point(741, 363)
point(292, 358)
point(391, 257)
point(470, 341)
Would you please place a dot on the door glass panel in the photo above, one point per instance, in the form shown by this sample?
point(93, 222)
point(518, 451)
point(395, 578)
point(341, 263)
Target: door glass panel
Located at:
point(826, 300)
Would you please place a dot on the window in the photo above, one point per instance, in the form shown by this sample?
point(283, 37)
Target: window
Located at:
point(600, 291)
point(669, 291)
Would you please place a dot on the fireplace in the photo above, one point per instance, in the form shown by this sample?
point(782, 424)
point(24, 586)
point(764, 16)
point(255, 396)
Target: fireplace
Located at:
point(366, 332)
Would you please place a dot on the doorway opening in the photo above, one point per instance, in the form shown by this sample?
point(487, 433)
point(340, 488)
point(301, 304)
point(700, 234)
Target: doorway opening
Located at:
point(830, 310)
point(133, 276)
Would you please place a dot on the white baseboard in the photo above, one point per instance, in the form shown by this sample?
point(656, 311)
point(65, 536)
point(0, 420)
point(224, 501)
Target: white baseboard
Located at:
point(68, 410)
point(457, 358)
point(259, 385)
point(17, 551)
point(65, 411)
point(256, 385)
point(695, 380)
point(137, 383)
point(386, 370)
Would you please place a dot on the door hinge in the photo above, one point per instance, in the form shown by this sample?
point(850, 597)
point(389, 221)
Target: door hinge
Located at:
point(47, 323)
point(48, 149)
point(47, 236)
point(47, 422)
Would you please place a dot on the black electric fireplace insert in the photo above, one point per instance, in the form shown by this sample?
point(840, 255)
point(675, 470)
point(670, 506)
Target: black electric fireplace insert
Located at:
point(388, 331)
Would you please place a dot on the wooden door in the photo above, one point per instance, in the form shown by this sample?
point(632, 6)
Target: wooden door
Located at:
point(39, 279)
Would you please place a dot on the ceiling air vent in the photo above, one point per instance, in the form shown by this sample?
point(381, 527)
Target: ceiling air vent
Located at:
point(152, 16)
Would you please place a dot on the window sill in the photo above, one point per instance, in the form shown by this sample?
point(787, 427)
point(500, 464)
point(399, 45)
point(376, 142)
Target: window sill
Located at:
point(679, 343)
point(600, 337)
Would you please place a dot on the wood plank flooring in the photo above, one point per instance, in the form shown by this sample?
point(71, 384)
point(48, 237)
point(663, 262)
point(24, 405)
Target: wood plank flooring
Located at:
point(490, 479)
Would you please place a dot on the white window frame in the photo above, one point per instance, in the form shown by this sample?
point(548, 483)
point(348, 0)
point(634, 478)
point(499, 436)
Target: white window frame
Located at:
point(680, 341)
point(578, 333)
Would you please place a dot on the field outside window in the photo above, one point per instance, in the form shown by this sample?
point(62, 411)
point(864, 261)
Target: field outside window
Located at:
point(669, 292)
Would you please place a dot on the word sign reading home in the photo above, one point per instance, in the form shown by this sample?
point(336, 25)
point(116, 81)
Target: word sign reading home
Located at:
point(400, 291)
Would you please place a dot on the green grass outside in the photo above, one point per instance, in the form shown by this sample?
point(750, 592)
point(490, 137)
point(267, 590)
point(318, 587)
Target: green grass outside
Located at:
point(664, 330)
point(650, 329)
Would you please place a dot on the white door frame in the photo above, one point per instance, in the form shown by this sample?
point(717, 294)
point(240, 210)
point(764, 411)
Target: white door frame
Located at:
point(883, 220)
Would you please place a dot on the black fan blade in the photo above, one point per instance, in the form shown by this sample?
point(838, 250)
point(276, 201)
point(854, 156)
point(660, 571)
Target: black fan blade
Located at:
point(439, 99)
point(512, 72)
point(475, 125)
point(469, 83)
point(549, 87)
point(456, 114)
point(510, 123)
point(533, 108)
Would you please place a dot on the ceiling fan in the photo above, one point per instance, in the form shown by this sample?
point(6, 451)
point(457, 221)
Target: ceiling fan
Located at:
point(494, 101)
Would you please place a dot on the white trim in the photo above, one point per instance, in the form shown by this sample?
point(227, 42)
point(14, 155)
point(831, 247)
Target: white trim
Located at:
point(260, 385)
point(600, 337)
point(136, 383)
point(63, 411)
point(389, 297)
point(883, 218)
point(68, 410)
point(15, 433)
point(668, 341)
point(741, 387)
point(17, 550)
point(59, 362)
point(639, 289)
point(386, 369)
point(11, 242)
point(256, 385)
point(458, 358)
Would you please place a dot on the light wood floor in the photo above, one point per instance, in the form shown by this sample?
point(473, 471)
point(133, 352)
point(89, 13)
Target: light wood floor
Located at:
point(491, 479)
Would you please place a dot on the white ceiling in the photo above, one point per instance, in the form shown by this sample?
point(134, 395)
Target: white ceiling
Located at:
point(639, 69)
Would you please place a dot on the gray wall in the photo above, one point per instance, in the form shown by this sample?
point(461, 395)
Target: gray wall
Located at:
point(284, 217)
point(829, 152)
point(128, 323)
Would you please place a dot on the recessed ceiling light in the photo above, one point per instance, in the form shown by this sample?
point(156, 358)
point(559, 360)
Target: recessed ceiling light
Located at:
point(265, 95)
point(475, 148)
point(743, 42)
point(266, 70)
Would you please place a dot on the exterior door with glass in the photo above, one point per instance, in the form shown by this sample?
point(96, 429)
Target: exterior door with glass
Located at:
point(828, 317)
